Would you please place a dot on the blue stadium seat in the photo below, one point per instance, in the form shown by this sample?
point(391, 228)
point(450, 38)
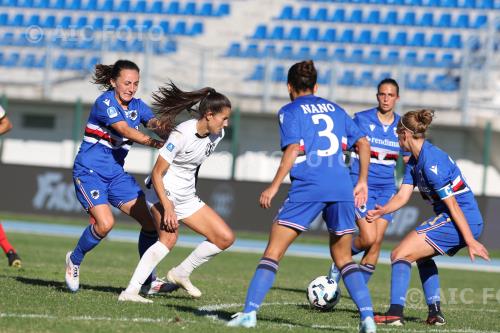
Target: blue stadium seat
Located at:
point(468, 4)
point(74, 5)
point(278, 74)
point(410, 58)
point(366, 79)
point(196, 29)
point(65, 22)
point(26, 3)
point(382, 38)
point(427, 20)
point(173, 8)
point(408, 19)
point(286, 13)
point(7, 39)
point(383, 76)
point(480, 21)
point(40, 63)
point(260, 32)
point(462, 21)
point(77, 64)
point(223, 10)
point(446, 61)
point(257, 74)
point(321, 15)
point(429, 60)
point(107, 6)
point(140, 7)
point(90, 65)
point(82, 22)
point(431, 3)
point(357, 56)
point(124, 6)
point(392, 58)
point(413, 3)
point(373, 17)
point(338, 15)
point(356, 16)
point(418, 39)
point(339, 54)
point(455, 41)
point(269, 51)
point(444, 21)
point(400, 39)
point(49, 22)
point(17, 21)
point(295, 33)
point(304, 53)
point(321, 54)
point(419, 83)
point(312, 34)
point(329, 36)
point(156, 7)
point(189, 9)
point(449, 3)
point(436, 40)
point(42, 4)
point(304, 14)
point(114, 23)
point(206, 9)
point(10, 3)
point(375, 57)
point(277, 33)
point(347, 78)
point(391, 18)
point(4, 19)
point(364, 37)
point(486, 4)
point(165, 26)
point(34, 20)
point(12, 60)
point(180, 28)
point(347, 36)
point(286, 52)
point(60, 4)
point(446, 82)
point(91, 5)
point(131, 23)
point(137, 46)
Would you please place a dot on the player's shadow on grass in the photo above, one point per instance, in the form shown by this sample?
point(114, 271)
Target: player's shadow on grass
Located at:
point(226, 316)
point(61, 286)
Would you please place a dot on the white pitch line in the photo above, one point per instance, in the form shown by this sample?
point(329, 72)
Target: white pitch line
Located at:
point(87, 318)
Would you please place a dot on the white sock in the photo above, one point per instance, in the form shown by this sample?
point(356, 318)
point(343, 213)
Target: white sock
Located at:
point(203, 253)
point(150, 259)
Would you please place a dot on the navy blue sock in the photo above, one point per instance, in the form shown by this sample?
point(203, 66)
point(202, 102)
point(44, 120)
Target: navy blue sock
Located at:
point(262, 281)
point(146, 239)
point(400, 280)
point(356, 285)
point(367, 271)
point(88, 240)
point(430, 281)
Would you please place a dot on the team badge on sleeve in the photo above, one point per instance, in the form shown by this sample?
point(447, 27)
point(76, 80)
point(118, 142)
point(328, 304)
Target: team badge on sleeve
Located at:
point(112, 112)
point(282, 116)
point(170, 146)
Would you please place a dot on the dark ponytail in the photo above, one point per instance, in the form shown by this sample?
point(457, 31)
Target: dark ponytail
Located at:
point(302, 76)
point(169, 101)
point(105, 73)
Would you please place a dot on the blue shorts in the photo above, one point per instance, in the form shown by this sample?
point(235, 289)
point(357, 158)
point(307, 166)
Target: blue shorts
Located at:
point(93, 189)
point(339, 216)
point(442, 234)
point(376, 196)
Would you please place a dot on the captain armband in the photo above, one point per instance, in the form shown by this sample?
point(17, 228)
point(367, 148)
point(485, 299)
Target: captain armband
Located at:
point(445, 192)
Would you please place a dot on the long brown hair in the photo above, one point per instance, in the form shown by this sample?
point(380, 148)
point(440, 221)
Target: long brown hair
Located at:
point(417, 122)
point(105, 73)
point(169, 101)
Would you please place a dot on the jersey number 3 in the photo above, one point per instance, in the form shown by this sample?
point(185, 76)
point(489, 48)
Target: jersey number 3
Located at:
point(328, 133)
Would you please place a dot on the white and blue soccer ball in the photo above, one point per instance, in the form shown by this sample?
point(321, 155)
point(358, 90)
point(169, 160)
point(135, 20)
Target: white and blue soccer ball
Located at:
point(323, 293)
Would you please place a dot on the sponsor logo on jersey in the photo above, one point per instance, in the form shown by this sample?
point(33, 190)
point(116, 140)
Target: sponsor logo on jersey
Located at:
point(112, 112)
point(106, 101)
point(434, 169)
point(132, 114)
point(170, 146)
point(94, 194)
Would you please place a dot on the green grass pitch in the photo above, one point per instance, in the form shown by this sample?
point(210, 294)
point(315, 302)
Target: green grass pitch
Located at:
point(34, 298)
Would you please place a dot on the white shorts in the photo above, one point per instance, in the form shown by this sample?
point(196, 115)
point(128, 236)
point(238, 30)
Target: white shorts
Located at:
point(183, 208)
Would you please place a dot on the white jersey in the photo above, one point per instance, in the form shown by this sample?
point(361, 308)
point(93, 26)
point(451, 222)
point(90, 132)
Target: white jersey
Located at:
point(185, 150)
point(2, 112)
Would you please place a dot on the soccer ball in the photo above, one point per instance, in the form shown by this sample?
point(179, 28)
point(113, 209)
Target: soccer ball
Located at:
point(323, 293)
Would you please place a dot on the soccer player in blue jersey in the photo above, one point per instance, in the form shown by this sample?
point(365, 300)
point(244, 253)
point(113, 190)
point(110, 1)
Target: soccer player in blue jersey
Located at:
point(313, 133)
point(378, 124)
point(457, 224)
point(98, 172)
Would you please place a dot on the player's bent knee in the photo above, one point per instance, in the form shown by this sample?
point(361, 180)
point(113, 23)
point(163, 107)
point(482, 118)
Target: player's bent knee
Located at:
point(225, 240)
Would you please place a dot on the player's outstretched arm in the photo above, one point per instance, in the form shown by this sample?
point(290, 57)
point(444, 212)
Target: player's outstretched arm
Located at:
point(289, 155)
point(475, 248)
point(361, 188)
point(396, 202)
point(132, 134)
point(169, 219)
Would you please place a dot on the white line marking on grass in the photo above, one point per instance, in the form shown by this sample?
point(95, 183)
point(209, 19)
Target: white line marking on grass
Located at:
point(88, 318)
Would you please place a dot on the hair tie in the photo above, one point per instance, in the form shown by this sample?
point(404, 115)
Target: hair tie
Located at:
point(403, 124)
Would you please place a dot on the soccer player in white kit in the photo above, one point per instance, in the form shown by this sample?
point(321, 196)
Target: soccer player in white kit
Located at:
point(171, 193)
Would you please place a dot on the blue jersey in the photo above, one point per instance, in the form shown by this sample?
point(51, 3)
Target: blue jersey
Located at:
point(384, 149)
point(438, 177)
point(103, 150)
point(322, 129)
